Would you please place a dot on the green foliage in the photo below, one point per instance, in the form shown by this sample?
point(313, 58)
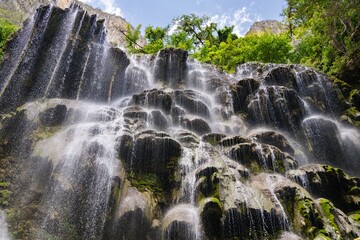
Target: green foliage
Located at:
point(326, 35)
point(132, 37)
point(155, 38)
point(6, 31)
point(209, 44)
point(180, 40)
point(265, 48)
point(199, 29)
point(146, 182)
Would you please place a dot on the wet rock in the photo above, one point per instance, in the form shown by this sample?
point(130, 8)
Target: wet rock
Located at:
point(336, 222)
point(257, 156)
point(281, 76)
point(211, 214)
point(355, 98)
point(154, 98)
point(176, 115)
point(275, 139)
point(323, 139)
point(207, 182)
point(180, 223)
point(192, 102)
point(15, 130)
point(213, 83)
point(187, 138)
point(321, 180)
point(213, 138)
point(276, 106)
point(53, 116)
point(231, 141)
point(154, 153)
point(170, 66)
point(124, 146)
point(241, 92)
point(196, 125)
point(313, 218)
point(249, 223)
point(159, 120)
point(135, 113)
point(135, 80)
point(102, 115)
point(300, 209)
point(133, 217)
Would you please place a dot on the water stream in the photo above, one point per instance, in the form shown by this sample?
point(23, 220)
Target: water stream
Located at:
point(161, 141)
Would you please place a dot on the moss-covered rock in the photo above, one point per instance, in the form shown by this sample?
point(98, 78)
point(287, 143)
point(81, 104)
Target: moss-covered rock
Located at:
point(321, 180)
point(211, 213)
point(262, 157)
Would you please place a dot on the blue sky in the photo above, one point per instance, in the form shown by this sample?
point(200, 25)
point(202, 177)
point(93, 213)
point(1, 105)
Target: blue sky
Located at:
point(240, 13)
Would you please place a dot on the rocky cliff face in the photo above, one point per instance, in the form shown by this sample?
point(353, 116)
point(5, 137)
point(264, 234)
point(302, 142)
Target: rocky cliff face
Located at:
point(98, 144)
point(19, 10)
point(267, 26)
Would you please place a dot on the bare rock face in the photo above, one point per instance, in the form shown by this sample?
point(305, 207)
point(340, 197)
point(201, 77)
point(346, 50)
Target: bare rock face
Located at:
point(22, 9)
point(268, 26)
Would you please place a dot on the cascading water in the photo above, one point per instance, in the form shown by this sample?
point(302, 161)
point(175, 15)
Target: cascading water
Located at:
point(119, 146)
point(4, 234)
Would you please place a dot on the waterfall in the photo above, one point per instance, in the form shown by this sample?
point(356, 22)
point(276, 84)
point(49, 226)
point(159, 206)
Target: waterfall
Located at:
point(109, 145)
point(4, 234)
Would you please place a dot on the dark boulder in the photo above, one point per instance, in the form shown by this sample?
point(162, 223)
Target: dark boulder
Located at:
point(279, 107)
point(196, 125)
point(170, 66)
point(326, 145)
point(211, 215)
point(154, 153)
point(262, 156)
point(275, 139)
point(241, 92)
point(281, 76)
point(159, 120)
point(193, 102)
point(231, 141)
point(154, 98)
point(331, 183)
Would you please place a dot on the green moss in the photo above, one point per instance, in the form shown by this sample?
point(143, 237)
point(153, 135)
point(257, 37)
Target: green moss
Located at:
point(146, 182)
point(311, 223)
point(255, 168)
point(4, 195)
point(279, 166)
point(210, 199)
point(4, 184)
point(44, 132)
point(6, 32)
point(327, 209)
point(355, 217)
point(354, 190)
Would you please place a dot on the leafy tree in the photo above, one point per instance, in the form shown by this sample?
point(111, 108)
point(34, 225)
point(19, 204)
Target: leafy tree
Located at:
point(223, 34)
point(155, 38)
point(180, 39)
point(132, 37)
point(199, 29)
point(220, 47)
point(327, 35)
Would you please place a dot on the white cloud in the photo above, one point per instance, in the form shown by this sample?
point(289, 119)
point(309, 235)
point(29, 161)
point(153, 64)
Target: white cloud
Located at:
point(110, 7)
point(105, 5)
point(240, 19)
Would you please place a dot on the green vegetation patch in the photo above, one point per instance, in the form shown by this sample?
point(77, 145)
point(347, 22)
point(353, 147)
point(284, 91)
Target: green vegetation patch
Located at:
point(146, 182)
point(6, 31)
